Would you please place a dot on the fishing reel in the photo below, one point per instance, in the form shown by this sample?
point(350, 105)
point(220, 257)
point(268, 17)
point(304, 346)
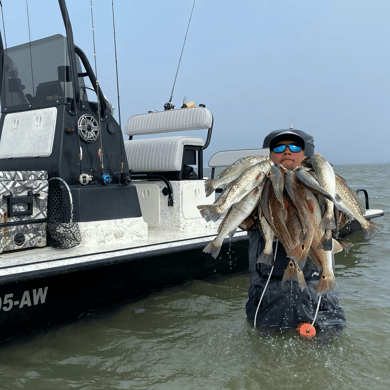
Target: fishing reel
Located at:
point(169, 106)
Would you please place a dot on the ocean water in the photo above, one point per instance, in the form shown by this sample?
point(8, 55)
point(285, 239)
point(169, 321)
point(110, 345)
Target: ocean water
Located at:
point(196, 336)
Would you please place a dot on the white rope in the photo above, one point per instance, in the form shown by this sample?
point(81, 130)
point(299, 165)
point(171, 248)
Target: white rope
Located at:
point(266, 285)
point(315, 317)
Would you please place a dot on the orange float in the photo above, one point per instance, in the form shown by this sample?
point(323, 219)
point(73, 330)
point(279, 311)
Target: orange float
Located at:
point(306, 330)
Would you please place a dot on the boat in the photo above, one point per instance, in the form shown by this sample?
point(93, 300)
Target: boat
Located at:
point(89, 219)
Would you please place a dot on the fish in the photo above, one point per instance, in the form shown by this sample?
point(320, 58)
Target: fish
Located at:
point(295, 192)
point(322, 258)
point(249, 179)
point(206, 214)
point(294, 272)
point(236, 214)
point(266, 256)
point(326, 179)
point(350, 198)
point(278, 219)
point(302, 199)
point(276, 175)
point(306, 178)
point(231, 173)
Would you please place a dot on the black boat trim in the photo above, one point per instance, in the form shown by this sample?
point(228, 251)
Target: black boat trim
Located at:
point(107, 261)
point(18, 223)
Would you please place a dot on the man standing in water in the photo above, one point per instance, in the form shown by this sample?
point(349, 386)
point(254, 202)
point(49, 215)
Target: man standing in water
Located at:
point(286, 306)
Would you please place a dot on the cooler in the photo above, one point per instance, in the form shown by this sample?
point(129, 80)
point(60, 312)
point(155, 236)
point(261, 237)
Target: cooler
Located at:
point(23, 209)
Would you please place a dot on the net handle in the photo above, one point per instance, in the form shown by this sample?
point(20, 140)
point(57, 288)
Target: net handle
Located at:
point(70, 196)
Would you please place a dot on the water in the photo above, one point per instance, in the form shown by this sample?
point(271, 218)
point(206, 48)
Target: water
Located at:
point(196, 336)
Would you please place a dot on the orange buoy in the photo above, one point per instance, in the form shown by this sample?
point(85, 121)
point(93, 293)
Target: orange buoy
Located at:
point(304, 329)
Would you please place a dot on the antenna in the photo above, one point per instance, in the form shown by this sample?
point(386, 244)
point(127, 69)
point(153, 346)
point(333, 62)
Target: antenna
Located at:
point(29, 37)
point(116, 66)
point(100, 153)
point(169, 105)
point(5, 38)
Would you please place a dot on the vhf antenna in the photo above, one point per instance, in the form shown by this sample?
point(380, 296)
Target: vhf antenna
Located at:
point(169, 105)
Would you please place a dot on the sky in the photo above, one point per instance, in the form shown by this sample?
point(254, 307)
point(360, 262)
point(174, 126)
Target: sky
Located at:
point(257, 65)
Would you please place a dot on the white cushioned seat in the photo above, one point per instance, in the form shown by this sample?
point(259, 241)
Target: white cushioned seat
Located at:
point(158, 154)
point(195, 118)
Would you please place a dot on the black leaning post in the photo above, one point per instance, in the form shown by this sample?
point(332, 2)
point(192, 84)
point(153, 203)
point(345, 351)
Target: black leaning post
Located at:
point(71, 52)
point(200, 164)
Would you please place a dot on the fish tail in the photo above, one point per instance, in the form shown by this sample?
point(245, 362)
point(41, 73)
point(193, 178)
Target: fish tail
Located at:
point(294, 272)
point(328, 223)
point(337, 247)
point(210, 186)
point(212, 248)
point(265, 258)
point(209, 212)
point(327, 285)
point(290, 272)
point(299, 254)
point(346, 245)
point(371, 230)
point(204, 212)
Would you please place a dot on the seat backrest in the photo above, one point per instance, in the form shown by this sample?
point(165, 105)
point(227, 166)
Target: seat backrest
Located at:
point(168, 121)
point(228, 157)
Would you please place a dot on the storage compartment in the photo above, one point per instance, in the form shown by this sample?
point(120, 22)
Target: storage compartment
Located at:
point(23, 209)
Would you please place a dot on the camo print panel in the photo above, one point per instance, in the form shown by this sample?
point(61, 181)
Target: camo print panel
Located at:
point(34, 234)
point(23, 175)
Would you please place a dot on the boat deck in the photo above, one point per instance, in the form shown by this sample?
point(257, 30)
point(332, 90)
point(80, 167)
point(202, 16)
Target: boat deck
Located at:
point(36, 259)
point(40, 259)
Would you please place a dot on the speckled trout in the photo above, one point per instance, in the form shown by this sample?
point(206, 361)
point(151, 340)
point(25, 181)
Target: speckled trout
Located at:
point(350, 198)
point(231, 173)
point(280, 222)
point(266, 255)
point(236, 214)
point(249, 179)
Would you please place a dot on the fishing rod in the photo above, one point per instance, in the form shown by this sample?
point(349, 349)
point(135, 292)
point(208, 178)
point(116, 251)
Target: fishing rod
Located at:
point(169, 105)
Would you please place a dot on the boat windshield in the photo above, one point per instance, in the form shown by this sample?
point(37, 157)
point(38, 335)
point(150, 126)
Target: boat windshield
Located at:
point(37, 74)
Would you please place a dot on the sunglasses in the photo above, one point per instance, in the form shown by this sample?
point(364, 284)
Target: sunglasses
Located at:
point(281, 148)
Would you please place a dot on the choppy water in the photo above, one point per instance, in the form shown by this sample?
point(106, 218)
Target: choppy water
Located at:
point(196, 336)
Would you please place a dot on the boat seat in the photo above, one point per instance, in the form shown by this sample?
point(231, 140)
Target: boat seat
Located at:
point(159, 154)
point(170, 157)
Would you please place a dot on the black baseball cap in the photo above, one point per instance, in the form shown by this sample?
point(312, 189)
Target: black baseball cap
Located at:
point(306, 141)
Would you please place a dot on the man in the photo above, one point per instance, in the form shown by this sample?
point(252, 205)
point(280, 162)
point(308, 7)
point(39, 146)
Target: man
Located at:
point(286, 306)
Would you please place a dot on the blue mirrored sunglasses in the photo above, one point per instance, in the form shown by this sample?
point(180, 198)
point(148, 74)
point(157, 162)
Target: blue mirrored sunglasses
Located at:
point(281, 148)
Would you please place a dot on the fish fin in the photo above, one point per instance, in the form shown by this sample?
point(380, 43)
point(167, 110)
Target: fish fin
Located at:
point(301, 279)
point(213, 249)
point(327, 285)
point(346, 245)
point(342, 206)
point(265, 258)
point(371, 230)
point(209, 186)
point(337, 247)
point(328, 223)
point(231, 234)
point(326, 243)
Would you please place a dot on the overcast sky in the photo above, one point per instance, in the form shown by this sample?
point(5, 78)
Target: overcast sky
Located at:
point(259, 65)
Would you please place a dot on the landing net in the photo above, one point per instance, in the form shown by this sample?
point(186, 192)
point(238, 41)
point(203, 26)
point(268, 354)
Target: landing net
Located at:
point(62, 231)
